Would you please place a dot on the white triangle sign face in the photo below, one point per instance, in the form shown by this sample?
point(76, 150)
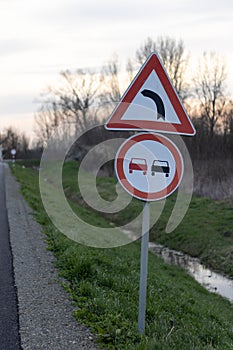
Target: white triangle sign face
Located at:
point(151, 103)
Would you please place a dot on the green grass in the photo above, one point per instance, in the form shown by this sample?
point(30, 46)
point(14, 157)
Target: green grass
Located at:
point(104, 283)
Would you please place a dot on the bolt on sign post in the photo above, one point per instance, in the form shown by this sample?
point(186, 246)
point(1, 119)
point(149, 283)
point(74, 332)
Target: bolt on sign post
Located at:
point(149, 166)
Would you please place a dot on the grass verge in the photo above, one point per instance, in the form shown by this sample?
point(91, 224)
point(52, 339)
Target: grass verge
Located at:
point(104, 285)
point(206, 231)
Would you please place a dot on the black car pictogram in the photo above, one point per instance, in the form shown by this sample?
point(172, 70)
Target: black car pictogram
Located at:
point(160, 166)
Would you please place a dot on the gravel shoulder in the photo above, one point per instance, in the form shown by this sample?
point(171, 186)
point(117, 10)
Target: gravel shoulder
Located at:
point(45, 311)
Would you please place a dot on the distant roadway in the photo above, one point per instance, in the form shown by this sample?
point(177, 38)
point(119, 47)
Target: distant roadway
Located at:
point(9, 327)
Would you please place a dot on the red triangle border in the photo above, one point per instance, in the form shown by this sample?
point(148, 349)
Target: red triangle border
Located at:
point(116, 123)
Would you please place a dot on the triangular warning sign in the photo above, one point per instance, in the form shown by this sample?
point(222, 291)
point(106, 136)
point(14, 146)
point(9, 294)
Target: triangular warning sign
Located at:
point(151, 103)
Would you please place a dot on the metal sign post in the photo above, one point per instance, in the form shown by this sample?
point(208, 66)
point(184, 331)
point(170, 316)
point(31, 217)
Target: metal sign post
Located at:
point(153, 176)
point(144, 267)
point(149, 166)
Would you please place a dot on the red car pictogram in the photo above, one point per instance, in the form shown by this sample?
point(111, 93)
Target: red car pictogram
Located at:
point(138, 164)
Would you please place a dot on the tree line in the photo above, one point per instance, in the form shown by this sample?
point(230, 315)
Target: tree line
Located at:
point(10, 139)
point(83, 99)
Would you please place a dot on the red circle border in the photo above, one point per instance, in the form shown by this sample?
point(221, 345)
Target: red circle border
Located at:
point(153, 196)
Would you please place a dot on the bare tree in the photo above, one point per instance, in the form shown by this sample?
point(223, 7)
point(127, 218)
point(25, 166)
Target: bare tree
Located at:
point(228, 119)
point(210, 90)
point(175, 60)
point(46, 119)
point(77, 98)
point(72, 104)
point(130, 69)
point(145, 50)
point(110, 78)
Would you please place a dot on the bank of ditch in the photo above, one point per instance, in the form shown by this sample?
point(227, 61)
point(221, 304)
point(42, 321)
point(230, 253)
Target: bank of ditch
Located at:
point(104, 283)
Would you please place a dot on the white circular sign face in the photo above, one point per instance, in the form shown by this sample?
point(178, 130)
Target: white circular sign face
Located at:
point(13, 152)
point(149, 166)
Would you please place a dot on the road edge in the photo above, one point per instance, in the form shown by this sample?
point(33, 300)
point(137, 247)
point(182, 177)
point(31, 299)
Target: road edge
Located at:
point(45, 310)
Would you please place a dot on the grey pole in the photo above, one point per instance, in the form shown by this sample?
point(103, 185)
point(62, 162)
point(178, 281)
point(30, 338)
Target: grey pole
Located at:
point(144, 267)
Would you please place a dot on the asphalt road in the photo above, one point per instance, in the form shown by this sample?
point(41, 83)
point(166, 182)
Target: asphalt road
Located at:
point(9, 326)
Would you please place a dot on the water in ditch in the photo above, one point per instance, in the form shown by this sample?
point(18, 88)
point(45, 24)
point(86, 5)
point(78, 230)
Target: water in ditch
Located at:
point(212, 281)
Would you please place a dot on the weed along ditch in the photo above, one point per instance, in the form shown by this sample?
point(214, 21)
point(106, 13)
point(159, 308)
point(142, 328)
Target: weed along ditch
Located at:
point(212, 281)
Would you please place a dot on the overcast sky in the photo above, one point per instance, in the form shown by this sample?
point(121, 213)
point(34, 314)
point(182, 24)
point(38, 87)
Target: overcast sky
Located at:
point(39, 38)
